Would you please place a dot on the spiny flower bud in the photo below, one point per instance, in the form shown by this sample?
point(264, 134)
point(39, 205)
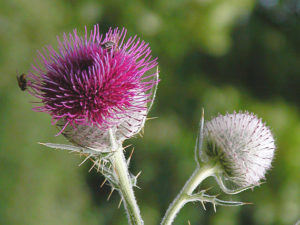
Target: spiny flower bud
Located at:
point(93, 84)
point(242, 144)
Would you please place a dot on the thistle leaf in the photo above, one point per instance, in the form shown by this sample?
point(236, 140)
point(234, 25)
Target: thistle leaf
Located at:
point(203, 198)
point(232, 191)
point(199, 140)
point(72, 148)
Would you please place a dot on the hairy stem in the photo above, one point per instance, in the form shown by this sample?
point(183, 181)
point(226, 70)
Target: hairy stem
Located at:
point(182, 198)
point(125, 186)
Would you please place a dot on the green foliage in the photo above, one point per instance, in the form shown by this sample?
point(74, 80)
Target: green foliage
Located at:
point(222, 55)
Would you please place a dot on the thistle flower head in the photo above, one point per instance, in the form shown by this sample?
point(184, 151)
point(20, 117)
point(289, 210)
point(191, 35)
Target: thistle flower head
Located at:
point(242, 144)
point(95, 83)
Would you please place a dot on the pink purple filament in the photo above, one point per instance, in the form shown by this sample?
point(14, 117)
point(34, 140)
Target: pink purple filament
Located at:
point(87, 83)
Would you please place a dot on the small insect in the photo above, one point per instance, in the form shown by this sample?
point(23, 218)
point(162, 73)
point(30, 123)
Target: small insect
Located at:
point(108, 45)
point(22, 82)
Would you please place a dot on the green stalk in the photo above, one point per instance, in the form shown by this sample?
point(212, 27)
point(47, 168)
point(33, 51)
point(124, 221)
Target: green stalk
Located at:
point(182, 198)
point(125, 186)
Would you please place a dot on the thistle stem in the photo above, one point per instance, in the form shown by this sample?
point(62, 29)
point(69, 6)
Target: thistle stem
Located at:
point(125, 188)
point(182, 198)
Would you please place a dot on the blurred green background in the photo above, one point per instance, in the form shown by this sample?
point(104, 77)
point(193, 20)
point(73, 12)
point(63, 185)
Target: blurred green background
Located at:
point(222, 55)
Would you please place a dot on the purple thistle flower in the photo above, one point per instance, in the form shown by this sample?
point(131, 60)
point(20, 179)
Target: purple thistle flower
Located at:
point(95, 83)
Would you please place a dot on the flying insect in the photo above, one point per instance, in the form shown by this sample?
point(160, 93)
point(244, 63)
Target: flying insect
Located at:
point(22, 82)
